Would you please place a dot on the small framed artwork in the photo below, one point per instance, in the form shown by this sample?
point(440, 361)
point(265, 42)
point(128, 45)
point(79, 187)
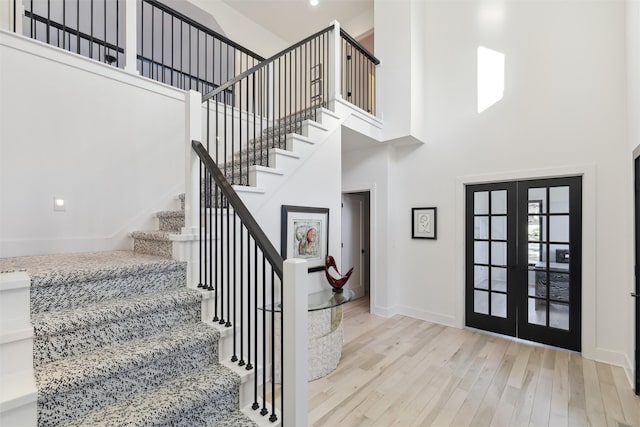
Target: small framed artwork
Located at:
point(424, 223)
point(304, 233)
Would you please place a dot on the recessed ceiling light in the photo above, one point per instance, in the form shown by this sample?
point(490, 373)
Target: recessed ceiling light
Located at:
point(313, 2)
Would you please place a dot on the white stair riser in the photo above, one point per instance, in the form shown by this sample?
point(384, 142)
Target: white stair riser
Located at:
point(284, 162)
point(16, 355)
point(299, 145)
point(259, 177)
point(313, 130)
point(327, 118)
point(15, 305)
point(25, 415)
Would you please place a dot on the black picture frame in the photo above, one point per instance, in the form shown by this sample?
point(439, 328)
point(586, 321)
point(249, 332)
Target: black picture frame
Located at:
point(424, 223)
point(304, 233)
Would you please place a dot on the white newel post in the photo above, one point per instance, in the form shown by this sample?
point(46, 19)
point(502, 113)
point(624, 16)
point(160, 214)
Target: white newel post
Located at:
point(130, 37)
point(18, 392)
point(193, 132)
point(295, 342)
point(335, 64)
point(11, 13)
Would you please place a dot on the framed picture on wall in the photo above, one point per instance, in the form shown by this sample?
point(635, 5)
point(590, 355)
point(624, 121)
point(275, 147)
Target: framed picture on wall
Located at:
point(424, 223)
point(304, 233)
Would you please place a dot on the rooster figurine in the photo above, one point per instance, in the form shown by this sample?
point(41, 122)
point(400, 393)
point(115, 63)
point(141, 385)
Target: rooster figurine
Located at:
point(336, 283)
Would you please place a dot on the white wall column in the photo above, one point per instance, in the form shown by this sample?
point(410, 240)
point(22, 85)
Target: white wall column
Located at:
point(18, 393)
point(335, 64)
point(130, 36)
point(9, 21)
point(295, 342)
point(193, 132)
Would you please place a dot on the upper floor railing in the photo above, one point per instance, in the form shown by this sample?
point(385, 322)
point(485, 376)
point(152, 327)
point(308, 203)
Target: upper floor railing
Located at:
point(169, 46)
point(358, 74)
point(253, 113)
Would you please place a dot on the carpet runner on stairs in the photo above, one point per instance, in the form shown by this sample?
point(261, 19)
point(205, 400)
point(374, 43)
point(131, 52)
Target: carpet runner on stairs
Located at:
point(119, 341)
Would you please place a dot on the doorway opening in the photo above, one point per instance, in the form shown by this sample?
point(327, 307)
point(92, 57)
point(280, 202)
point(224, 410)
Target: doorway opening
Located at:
point(523, 259)
point(356, 241)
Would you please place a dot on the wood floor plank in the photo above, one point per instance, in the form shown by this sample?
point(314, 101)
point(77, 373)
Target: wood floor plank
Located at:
point(629, 401)
point(560, 393)
point(577, 398)
point(404, 372)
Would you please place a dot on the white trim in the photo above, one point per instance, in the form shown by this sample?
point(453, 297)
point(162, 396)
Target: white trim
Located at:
point(428, 316)
point(589, 245)
point(70, 59)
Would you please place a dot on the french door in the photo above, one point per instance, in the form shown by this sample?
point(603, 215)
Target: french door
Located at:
point(523, 259)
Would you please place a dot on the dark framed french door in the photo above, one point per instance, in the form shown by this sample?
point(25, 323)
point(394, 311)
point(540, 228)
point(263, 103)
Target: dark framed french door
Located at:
point(636, 294)
point(523, 259)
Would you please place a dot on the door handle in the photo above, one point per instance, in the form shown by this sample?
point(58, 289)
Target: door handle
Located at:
point(633, 294)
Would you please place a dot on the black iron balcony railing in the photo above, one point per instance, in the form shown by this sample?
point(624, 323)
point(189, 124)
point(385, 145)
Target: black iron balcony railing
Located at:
point(358, 74)
point(171, 47)
point(175, 49)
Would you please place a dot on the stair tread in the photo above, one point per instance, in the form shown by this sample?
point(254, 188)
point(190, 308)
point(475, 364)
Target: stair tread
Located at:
point(170, 214)
point(47, 270)
point(234, 419)
point(71, 372)
point(163, 404)
point(153, 235)
point(52, 322)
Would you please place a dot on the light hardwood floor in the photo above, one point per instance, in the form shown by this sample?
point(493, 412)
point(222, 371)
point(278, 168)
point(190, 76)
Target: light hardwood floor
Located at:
point(407, 372)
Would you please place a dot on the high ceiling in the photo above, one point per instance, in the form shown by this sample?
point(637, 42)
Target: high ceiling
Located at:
point(293, 20)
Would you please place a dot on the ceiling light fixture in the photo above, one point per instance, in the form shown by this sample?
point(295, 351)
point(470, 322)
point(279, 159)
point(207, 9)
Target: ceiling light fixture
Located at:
point(313, 2)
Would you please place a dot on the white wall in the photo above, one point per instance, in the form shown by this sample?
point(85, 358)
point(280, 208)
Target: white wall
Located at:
point(315, 182)
point(633, 71)
point(242, 30)
point(563, 112)
point(110, 143)
point(393, 75)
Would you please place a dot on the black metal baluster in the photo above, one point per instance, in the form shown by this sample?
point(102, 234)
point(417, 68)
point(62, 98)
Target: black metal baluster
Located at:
point(213, 286)
point(241, 362)
point(233, 149)
point(255, 272)
point(325, 39)
point(274, 417)
point(264, 410)
point(205, 202)
point(234, 356)
point(228, 269)
point(118, 33)
point(277, 123)
point(104, 41)
point(253, 107)
point(172, 50)
point(49, 20)
point(218, 245)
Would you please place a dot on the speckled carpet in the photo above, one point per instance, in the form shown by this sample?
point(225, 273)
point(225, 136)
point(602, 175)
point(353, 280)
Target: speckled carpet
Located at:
point(119, 342)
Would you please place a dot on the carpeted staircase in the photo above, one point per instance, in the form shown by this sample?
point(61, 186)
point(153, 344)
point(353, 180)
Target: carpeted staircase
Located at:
point(119, 341)
point(159, 242)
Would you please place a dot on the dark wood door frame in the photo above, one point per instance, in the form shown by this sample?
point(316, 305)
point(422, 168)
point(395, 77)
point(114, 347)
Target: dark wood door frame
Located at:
point(637, 268)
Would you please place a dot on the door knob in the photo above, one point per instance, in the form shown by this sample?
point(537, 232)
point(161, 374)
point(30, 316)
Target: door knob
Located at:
point(633, 294)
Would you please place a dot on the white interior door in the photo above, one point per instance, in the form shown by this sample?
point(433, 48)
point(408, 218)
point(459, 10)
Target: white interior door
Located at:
point(352, 242)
